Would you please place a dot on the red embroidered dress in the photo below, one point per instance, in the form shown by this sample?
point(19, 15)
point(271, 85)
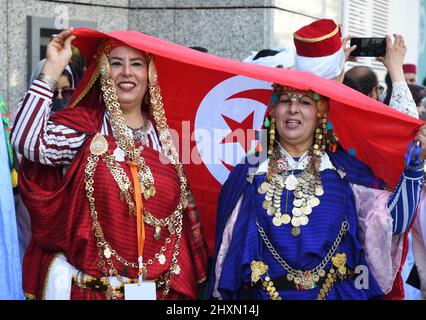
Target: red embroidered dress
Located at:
point(59, 208)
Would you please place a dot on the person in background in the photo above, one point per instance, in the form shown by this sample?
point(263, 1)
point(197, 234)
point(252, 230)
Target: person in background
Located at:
point(64, 90)
point(364, 80)
point(398, 95)
point(278, 57)
point(422, 109)
point(321, 50)
point(10, 262)
point(410, 73)
point(418, 92)
point(61, 97)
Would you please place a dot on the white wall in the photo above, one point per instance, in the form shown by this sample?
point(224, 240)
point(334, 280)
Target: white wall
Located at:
point(292, 15)
point(404, 19)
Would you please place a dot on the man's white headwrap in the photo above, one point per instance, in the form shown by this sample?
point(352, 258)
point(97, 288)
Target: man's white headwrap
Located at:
point(319, 49)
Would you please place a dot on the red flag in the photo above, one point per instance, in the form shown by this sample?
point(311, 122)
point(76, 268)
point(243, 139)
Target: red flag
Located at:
point(210, 101)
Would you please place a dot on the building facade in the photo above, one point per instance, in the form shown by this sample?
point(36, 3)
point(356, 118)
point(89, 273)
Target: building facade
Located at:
point(228, 28)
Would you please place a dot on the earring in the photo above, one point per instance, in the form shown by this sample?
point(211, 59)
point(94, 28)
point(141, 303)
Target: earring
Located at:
point(271, 136)
point(321, 137)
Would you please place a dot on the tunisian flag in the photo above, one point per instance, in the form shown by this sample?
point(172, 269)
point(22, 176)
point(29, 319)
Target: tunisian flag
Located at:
point(210, 101)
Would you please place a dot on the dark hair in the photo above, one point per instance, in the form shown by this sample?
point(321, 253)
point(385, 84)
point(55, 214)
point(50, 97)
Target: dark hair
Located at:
point(351, 83)
point(362, 79)
point(389, 89)
point(265, 53)
point(418, 93)
point(77, 65)
point(69, 77)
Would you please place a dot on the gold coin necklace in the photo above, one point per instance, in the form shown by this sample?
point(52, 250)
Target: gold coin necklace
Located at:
point(307, 187)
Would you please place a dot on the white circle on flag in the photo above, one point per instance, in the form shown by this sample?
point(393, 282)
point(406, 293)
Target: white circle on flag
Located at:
point(212, 123)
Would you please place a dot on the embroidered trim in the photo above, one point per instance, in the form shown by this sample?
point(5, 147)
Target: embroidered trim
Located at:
point(311, 40)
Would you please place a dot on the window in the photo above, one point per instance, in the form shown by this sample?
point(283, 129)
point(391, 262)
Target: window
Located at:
point(40, 30)
point(366, 18)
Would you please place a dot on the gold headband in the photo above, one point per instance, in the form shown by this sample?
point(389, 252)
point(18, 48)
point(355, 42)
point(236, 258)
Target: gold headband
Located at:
point(104, 49)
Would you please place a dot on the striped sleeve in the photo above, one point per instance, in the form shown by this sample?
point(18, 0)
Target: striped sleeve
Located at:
point(404, 200)
point(37, 138)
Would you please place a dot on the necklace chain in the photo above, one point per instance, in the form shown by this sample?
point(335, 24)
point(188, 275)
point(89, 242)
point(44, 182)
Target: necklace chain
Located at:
point(343, 229)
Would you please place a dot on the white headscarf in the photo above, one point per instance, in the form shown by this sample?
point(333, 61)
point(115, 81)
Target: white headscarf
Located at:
point(284, 58)
point(327, 67)
point(39, 66)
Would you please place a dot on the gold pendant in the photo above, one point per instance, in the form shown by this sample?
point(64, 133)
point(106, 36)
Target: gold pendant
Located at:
point(297, 212)
point(339, 261)
point(266, 204)
point(307, 282)
point(291, 183)
point(119, 154)
point(319, 191)
point(152, 191)
point(277, 221)
point(263, 188)
point(107, 252)
point(295, 222)
point(304, 220)
point(99, 145)
point(295, 231)
point(285, 218)
point(271, 211)
point(313, 202)
point(161, 259)
point(298, 203)
point(176, 270)
point(298, 194)
point(157, 233)
point(258, 268)
point(306, 210)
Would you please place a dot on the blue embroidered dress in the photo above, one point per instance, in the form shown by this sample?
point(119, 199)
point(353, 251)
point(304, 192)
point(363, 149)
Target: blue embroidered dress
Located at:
point(307, 250)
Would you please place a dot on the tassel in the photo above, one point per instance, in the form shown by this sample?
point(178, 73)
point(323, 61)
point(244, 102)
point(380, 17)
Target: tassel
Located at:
point(267, 123)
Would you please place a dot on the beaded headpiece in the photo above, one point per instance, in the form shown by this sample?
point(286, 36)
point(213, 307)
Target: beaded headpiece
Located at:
point(323, 138)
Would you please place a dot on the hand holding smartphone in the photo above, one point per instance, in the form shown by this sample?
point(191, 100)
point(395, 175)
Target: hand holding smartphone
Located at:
point(368, 47)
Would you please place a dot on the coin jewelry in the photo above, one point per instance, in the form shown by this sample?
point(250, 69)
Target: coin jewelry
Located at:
point(307, 187)
point(99, 150)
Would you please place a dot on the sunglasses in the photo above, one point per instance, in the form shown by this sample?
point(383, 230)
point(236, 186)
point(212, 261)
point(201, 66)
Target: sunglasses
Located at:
point(66, 93)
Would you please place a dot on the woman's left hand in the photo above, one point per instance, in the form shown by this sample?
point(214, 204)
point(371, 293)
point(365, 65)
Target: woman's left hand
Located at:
point(421, 137)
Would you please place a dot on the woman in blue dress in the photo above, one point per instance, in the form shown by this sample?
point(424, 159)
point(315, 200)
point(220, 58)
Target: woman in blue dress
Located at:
point(310, 221)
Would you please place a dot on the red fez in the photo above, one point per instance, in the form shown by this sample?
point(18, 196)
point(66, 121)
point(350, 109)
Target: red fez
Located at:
point(318, 39)
point(409, 68)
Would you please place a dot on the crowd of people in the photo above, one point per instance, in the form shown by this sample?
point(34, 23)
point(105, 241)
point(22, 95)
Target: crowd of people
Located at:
point(96, 206)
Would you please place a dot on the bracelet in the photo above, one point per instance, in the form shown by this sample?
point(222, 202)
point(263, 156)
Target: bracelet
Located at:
point(51, 83)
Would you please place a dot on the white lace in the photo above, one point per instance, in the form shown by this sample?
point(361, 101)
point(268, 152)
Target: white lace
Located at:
point(402, 100)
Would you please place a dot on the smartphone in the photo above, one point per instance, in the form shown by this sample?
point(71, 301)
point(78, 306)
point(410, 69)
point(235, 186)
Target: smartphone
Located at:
point(369, 47)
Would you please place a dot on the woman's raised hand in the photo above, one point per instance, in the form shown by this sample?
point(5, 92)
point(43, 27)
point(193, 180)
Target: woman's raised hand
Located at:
point(58, 54)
